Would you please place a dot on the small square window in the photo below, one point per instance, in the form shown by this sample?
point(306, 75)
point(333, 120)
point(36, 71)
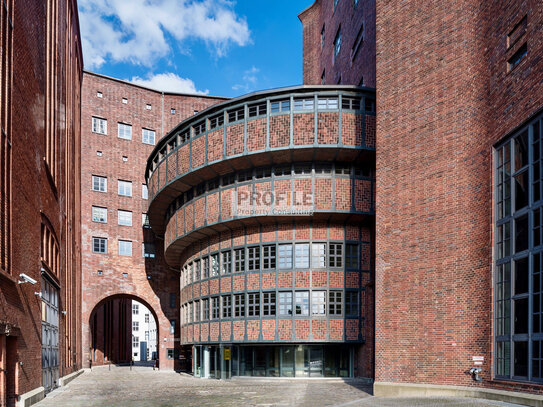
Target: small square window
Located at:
point(99, 125)
point(100, 272)
point(125, 158)
point(99, 183)
point(172, 111)
point(125, 275)
point(99, 214)
point(99, 153)
point(99, 94)
point(125, 248)
point(148, 136)
point(124, 188)
point(99, 245)
point(125, 100)
point(124, 217)
point(148, 106)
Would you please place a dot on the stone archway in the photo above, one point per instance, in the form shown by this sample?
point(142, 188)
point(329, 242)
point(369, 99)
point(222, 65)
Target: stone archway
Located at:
point(111, 332)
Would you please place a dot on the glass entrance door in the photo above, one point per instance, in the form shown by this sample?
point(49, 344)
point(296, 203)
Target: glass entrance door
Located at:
point(49, 339)
point(315, 361)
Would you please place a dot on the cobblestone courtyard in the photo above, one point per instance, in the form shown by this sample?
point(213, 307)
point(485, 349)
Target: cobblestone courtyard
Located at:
point(144, 387)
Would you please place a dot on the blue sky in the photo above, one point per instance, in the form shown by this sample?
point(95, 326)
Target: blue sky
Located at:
point(217, 47)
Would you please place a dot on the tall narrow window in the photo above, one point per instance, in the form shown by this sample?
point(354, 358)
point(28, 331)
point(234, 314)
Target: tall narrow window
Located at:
point(206, 267)
point(268, 304)
point(285, 256)
point(337, 44)
point(239, 260)
point(336, 254)
point(285, 303)
point(226, 262)
point(318, 302)
point(318, 255)
point(335, 303)
point(253, 262)
point(227, 306)
point(253, 304)
point(302, 255)
point(302, 302)
point(239, 305)
point(268, 257)
point(214, 258)
point(215, 308)
point(351, 256)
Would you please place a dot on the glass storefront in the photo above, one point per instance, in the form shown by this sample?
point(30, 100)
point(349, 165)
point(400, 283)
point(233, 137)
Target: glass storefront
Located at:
point(274, 361)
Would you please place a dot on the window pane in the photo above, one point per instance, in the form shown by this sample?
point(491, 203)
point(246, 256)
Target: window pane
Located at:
point(521, 233)
point(521, 359)
point(521, 316)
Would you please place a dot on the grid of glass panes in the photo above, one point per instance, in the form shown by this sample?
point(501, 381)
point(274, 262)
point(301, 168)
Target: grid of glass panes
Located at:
point(318, 302)
point(268, 257)
point(206, 267)
point(214, 265)
point(351, 256)
point(239, 260)
point(285, 303)
point(215, 308)
point(205, 309)
point(226, 262)
point(318, 255)
point(518, 256)
point(197, 268)
point(334, 302)
point(227, 306)
point(253, 304)
point(239, 305)
point(268, 304)
point(253, 258)
point(285, 256)
point(336, 254)
point(351, 303)
point(302, 302)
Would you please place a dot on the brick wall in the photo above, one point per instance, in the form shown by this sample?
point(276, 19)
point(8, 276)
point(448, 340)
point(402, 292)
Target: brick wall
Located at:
point(445, 97)
point(149, 280)
point(355, 62)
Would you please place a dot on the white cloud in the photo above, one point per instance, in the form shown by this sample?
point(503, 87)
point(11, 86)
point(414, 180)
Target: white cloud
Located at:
point(250, 80)
point(169, 82)
point(135, 30)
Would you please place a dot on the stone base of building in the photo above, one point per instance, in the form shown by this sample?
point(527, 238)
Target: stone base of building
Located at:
point(31, 397)
point(63, 381)
point(388, 389)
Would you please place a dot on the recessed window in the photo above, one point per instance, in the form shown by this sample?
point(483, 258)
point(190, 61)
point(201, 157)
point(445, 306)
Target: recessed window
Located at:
point(268, 257)
point(257, 109)
point(148, 106)
point(302, 255)
point(236, 114)
point(100, 272)
point(280, 106)
point(99, 153)
point(124, 217)
point(124, 188)
point(149, 250)
point(239, 305)
point(517, 57)
point(253, 258)
point(145, 220)
point(99, 214)
point(205, 260)
point(351, 256)
point(205, 309)
point(125, 248)
point(148, 136)
point(318, 302)
point(99, 245)
point(227, 306)
point(99, 94)
point(253, 304)
point(285, 256)
point(323, 35)
point(215, 308)
point(214, 259)
point(135, 326)
point(172, 322)
point(359, 40)
point(226, 262)
point(337, 44)
point(124, 100)
point(351, 303)
point(334, 303)
point(268, 304)
point(285, 303)
point(172, 110)
point(99, 125)
point(99, 183)
point(336, 255)
point(239, 260)
point(124, 131)
point(302, 302)
point(517, 32)
point(323, 77)
point(144, 192)
point(318, 255)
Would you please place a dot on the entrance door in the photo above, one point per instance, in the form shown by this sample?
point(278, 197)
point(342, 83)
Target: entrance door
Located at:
point(315, 361)
point(49, 327)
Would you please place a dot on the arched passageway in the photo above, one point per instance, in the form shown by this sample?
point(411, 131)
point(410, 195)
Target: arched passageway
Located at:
point(123, 328)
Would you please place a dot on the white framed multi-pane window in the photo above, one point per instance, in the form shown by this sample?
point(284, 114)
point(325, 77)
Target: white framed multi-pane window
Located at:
point(148, 136)
point(124, 131)
point(99, 245)
point(99, 125)
point(99, 183)
point(124, 188)
point(99, 214)
point(125, 248)
point(124, 218)
point(144, 192)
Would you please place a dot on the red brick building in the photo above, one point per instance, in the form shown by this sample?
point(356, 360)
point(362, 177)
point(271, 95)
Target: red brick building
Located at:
point(122, 260)
point(266, 206)
point(40, 263)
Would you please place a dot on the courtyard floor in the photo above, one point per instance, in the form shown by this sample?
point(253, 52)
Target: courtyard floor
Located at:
point(142, 386)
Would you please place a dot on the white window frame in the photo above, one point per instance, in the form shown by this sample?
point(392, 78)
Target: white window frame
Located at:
point(144, 191)
point(124, 188)
point(102, 183)
point(124, 131)
point(146, 136)
point(124, 248)
point(99, 214)
point(99, 125)
point(124, 218)
point(102, 240)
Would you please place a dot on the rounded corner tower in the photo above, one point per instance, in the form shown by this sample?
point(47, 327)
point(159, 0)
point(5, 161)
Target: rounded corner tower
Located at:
point(266, 205)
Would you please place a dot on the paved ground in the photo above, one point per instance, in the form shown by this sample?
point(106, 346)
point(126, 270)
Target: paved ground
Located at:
point(144, 387)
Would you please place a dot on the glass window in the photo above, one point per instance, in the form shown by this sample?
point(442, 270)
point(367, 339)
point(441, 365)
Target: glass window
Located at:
point(253, 260)
point(302, 302)
point(149, 250)
point(99, 183)
point(239, 305)
point(302, 255)
point(99, 125)
point(336, 254)
point(172, 321)
point(206, 266)
point(239, 260)
point(214, 265)
point(215, 309)
point(148, 136)
point(285, 256)
point(124, 218)
point(125, 248)
point(135, 309)
point(227, 306)
point(124, 131)
point(197, 270)
point(99, 214)
point(99, 245)
point(268, 257)
point(351, 256)
point(318, 303)
point(318, 255)
point(144, 192)
point(334, 303)
point(173, 300)
point(337, 44)
point(285, 303)
point(351, 303)
point(253, 304)
point(124, 188)
point(226, 262)
point(205, 309)
point(268, 304)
